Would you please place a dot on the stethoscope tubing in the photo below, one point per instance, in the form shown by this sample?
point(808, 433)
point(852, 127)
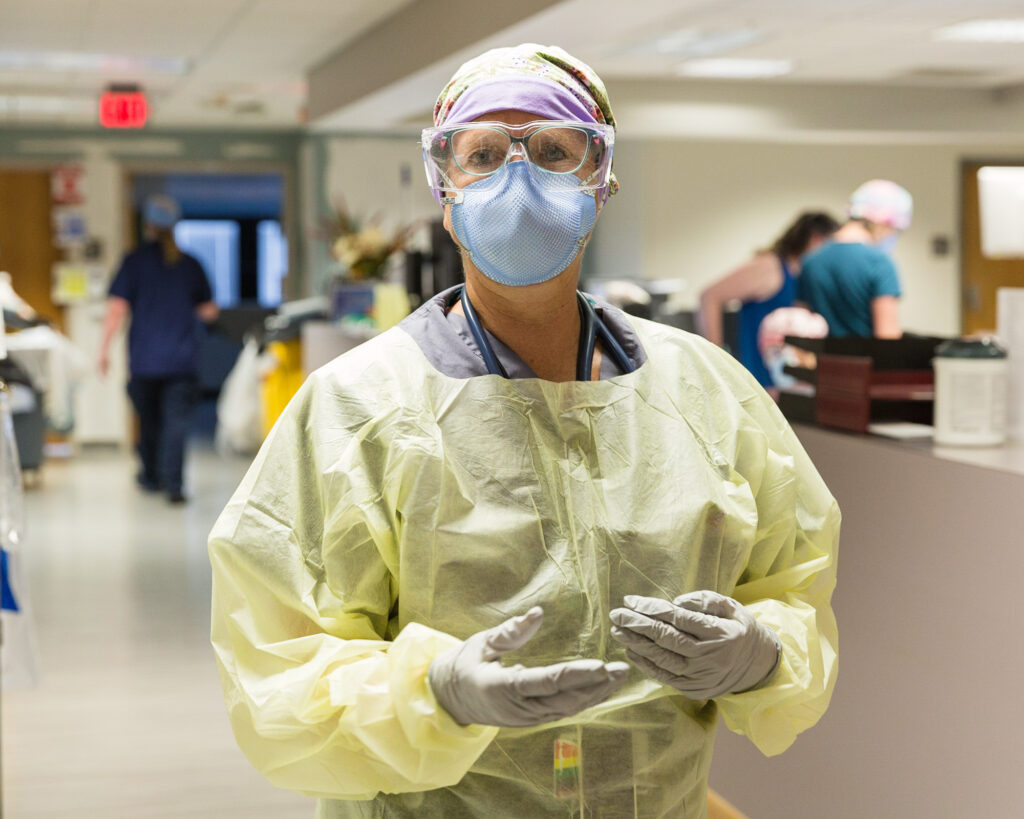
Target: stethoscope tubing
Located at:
point(622, 360)
point(588, 340)
point(494, 366)
point(591, 327)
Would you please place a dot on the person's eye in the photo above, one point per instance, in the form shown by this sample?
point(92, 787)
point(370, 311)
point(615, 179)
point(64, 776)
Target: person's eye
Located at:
point(481, 158)
point(554, 153)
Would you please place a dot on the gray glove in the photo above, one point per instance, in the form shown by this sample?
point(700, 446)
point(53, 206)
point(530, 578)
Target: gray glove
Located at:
point(474, 687)
point(702, 643)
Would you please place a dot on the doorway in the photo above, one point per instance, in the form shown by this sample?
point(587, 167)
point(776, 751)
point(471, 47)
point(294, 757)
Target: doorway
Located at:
point(993, 239)
point(27, 248)
point(232, 223)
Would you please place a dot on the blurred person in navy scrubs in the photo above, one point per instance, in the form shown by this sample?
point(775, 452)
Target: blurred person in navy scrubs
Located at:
point(167, 293)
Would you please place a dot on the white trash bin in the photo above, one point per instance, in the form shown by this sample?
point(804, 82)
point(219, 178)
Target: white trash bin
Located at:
point(970, 393)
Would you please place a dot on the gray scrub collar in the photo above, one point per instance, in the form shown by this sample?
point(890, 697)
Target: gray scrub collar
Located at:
point(446, 341)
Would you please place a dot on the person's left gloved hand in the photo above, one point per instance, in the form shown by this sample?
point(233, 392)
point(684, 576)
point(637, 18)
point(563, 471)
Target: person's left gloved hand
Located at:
point(702, 643)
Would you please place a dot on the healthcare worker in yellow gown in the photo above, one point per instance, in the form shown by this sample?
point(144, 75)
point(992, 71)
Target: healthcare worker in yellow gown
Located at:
point(514, 556)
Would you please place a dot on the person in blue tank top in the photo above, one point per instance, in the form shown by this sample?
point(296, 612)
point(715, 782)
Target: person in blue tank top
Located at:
point(167, 293)
point(852, 280)
point(763, 284)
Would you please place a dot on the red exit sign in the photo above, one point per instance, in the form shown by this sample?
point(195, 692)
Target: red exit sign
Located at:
point(123, 108)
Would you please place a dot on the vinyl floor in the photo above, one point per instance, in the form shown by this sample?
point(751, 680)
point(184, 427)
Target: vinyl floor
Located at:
point(127, 719)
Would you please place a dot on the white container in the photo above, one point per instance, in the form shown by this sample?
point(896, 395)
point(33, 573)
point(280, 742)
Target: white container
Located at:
point(970, 394)
point(1010, 301)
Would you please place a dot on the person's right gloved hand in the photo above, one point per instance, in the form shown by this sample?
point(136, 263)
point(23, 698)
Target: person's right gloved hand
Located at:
point(474, 687)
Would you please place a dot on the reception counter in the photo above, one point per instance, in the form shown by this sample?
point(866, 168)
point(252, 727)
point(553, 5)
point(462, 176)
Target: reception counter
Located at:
point(927, 719)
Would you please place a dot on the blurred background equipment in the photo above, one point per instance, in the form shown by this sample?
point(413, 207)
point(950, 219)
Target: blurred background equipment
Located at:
point(18, 653)
point(776, 326)
point(860, 382)
point(662, 300)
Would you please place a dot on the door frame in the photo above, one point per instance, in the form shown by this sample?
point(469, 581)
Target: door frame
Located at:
point(965, 163)
point(43, 165)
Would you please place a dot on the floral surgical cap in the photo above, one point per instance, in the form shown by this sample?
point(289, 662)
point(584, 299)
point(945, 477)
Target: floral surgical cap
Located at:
point(552, 79)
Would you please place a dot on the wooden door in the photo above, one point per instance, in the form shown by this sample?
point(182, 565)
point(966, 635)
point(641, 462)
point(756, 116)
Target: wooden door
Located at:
point(27, 250)
point(982, 276)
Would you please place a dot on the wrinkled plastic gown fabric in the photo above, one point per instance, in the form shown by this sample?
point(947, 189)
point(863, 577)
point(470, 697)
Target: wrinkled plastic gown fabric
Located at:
point(394, 511)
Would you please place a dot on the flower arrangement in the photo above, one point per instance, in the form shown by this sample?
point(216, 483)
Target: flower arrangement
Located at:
point(363, 248)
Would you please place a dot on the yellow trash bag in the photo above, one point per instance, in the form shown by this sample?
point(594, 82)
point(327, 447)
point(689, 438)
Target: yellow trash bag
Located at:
point(283, 381)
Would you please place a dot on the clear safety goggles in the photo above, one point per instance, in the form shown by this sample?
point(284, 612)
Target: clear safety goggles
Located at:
point(562, 155)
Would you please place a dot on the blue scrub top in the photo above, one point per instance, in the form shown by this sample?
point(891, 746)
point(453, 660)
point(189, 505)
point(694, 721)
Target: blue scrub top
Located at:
point(164, 336)
point(840, 281)
point(752, 313)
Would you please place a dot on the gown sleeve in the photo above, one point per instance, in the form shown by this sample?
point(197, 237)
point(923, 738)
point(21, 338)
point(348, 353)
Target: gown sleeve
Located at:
point(789, 577)
point(322, 698)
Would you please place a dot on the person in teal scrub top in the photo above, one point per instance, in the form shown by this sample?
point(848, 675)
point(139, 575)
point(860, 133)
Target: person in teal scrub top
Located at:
point(852, 281)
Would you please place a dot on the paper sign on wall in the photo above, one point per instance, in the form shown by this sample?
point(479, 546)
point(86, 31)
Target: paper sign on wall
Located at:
point(66, 185)
point(70, 283)
point(69, 226)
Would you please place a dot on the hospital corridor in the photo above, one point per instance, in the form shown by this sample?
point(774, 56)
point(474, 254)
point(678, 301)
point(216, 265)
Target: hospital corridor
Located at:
point(128, 718)
point(560, 409)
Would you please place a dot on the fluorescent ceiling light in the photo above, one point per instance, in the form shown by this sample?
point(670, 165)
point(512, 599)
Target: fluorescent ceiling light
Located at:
point(984, 31)
point(735, 69)
point(36, 104)
point(81, 61)
point(692, 42)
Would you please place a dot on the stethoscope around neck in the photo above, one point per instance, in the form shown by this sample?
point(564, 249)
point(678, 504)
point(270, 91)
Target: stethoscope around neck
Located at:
point(591, 328)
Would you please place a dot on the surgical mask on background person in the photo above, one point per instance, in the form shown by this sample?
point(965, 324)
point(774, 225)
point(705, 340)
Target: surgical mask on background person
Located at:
point(519, 233)
point(888, 244)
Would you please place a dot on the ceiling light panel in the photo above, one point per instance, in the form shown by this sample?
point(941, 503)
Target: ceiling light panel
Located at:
point(735, 69)
point(983, 31)
point(77, 61)
point(32, 104)
point(692, 43)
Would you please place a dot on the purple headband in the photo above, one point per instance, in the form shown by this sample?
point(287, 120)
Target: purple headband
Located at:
point(546, 99)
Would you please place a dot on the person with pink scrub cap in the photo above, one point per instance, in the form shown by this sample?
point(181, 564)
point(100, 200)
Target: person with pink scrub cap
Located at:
point(852, 280)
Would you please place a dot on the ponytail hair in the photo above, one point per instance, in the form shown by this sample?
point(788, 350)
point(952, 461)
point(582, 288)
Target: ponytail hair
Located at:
point(796, 239)
point(169, 249)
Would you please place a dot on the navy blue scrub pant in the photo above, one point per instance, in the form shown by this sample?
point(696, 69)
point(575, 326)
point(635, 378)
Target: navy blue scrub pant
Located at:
point(164, 407)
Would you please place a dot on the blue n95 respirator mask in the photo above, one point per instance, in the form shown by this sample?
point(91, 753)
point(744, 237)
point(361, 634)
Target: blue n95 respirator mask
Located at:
point(888, 244)
point(518, 230)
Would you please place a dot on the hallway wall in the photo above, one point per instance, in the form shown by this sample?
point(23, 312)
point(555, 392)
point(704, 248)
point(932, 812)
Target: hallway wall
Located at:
point(696, 209)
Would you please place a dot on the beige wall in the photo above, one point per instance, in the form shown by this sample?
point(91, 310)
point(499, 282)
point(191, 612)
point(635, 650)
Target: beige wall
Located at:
point(366, 173)
point(695, 209)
